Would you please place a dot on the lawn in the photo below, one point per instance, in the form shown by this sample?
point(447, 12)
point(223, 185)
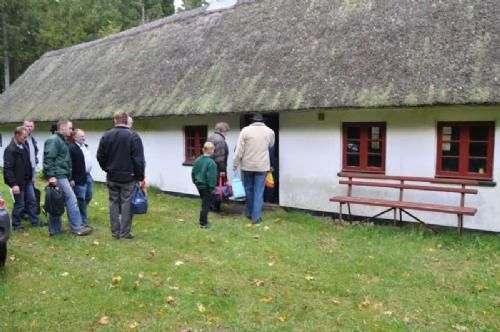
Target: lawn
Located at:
point(295, 272)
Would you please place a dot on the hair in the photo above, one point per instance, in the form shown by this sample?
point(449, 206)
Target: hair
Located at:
point(222, 127)
point(19, 130)
point(208, 147)
point(61, 123)
point(130, 121)
point(120, 117)
point(75, 131)
point(27, 120)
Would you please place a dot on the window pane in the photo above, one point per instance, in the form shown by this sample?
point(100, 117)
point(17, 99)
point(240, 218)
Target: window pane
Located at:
point(374, 146)
point(449, 164)
point(375, 132)
point(451, 133)
point(478, 133)
point(374, 160)
point(353, 132)
point(477, 166)
point(353, 160)
point(450, 149)
point(353, 146)
point(478, 149)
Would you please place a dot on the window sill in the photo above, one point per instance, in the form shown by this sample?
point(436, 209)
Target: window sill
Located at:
point(481, 182)
point(188, 163)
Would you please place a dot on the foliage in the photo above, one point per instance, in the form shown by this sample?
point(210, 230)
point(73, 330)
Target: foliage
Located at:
point(37, 26)
point(295, 272)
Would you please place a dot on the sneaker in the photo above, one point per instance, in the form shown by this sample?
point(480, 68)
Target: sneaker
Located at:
point(83, 231)
point(129, 236)
point(206, 226)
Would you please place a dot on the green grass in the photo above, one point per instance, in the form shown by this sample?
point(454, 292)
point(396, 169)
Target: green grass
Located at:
point(295, 272)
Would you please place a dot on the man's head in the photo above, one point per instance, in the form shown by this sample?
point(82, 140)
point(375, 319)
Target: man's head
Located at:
point(20, 135)
point(208, 148)
point(130, 122)
point(120, 118)
point(65, 127)
point(29, 125)
point(257, 117)
point(79, 136)
point(222, 127)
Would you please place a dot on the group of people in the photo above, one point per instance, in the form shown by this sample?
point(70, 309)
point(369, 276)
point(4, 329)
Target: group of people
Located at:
point(252, 156)
point(67, 164)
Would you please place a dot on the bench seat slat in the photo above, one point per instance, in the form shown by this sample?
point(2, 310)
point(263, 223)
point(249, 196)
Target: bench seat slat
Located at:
point(407, 178)
point(409, 186)
point(406, 205)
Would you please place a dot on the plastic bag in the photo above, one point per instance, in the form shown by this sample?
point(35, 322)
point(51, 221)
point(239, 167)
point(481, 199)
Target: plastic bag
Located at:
point(238, 189)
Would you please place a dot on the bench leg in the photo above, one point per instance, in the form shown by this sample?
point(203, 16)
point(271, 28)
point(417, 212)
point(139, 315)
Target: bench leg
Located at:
point(340, 213)
point(460, 225)
point(349, 210)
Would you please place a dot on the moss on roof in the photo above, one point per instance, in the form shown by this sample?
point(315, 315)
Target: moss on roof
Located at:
point(273, 55)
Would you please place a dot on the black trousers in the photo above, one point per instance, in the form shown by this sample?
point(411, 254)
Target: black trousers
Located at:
point(206, 198)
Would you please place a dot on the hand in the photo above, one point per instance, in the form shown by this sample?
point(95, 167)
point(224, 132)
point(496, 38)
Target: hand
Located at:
point(53, 181)
point(16, 190)
point(271, 169)
point(72, 183)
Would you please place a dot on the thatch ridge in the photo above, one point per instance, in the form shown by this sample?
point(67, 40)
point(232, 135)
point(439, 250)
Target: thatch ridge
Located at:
point(273, 55)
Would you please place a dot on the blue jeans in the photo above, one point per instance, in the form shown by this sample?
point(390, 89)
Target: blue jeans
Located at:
point(75, 220)
point(254, 189)
point(83, 195)
point(29, 191)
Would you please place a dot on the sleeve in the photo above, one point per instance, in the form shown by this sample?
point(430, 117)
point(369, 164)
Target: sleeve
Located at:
point(271, 142)
point(138, 158)
point(8, 168)
point(35, 144)
point(102, 154)
point(49, 157)
point(240, 149)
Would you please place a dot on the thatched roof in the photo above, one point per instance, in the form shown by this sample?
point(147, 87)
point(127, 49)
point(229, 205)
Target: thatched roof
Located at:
point(273, 55)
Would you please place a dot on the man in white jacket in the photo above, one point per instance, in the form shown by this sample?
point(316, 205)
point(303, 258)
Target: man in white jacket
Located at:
point(252, 156)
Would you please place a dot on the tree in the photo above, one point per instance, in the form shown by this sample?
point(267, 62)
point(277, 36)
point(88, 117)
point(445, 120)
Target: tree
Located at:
point(191, 4)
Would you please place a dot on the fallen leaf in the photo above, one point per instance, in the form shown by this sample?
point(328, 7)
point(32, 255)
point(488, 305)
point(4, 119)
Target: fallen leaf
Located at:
point(378, 305)
point(258, 282)
point(388, 313)
point(309, 278)
point(64, 274)
point(256, 237)
point(270, 263)
point(266, 228)
point(171, 300)
point(173, 287)
point(336, 302)
point(460, 328)
point(13, 258)
point(179, 263)
point(201, 307)
point(249, 225)
point(406, 319)
point(282, 317)
point(152, 252)
point(133, 325)
point(141, 275)
point(104, 320)
point(136, 284)
point(364, 303)
point(181, 220)
point(44, 292)
point(154, 274)
point(266, 299)
point(95, 243)
point(405, 274)
point(116, 280)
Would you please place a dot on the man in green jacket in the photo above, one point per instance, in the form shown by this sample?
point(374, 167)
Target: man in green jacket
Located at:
point(57, 169)
point(204, 176)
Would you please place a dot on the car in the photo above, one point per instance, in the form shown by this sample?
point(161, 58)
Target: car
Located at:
point(4, 230)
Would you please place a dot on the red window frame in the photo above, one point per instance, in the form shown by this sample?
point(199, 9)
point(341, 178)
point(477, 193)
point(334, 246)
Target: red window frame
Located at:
point(363, 147)
point(194, 138)
point(464, 156)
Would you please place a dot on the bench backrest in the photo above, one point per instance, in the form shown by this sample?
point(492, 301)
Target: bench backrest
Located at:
point(459, 185)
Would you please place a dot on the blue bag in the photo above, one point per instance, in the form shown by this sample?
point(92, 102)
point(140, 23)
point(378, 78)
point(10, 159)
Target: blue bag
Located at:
point(138, 201)
point(238, 189)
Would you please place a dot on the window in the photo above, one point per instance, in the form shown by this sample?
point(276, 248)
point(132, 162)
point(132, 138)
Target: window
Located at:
point(364, 147)
point(194, 138)
point(465, 149)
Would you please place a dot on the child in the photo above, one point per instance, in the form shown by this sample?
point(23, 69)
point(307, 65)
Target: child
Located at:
point(204, 176)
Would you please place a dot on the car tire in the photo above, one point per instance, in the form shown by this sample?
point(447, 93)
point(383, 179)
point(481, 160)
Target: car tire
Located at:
point(3, 253)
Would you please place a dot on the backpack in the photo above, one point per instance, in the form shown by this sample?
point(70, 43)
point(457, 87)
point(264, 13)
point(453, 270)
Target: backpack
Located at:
point(54, 201)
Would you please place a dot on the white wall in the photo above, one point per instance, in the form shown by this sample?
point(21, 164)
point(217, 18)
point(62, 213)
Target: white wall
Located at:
point(310, 158)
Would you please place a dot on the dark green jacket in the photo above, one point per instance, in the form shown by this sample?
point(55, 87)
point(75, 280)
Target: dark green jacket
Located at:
point(56, 158)
point(204, 173)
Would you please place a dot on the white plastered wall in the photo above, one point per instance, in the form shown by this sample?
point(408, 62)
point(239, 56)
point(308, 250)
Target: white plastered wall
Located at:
point(310, 158)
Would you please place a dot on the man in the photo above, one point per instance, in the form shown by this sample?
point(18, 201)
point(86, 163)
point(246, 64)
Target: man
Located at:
point(18, 175)
point(121, 156)
point(252, 156)
point(81, 162)
point(218, 139)
point(33, 153)
point(57, 168)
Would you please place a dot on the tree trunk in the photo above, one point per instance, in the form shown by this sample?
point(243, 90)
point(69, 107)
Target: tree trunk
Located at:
point(6, 69)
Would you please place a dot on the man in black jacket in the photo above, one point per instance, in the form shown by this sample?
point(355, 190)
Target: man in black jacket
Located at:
point(18, 175)
point(121, 156)
point(81, 165)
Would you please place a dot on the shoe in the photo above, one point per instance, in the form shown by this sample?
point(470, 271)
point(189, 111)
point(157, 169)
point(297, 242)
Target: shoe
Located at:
point(39, 224)
point(256, 222)
point(83, 231)
point(129, 236)
point(206, 226)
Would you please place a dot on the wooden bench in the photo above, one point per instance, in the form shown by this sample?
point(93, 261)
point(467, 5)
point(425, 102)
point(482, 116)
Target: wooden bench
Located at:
point(403, 183)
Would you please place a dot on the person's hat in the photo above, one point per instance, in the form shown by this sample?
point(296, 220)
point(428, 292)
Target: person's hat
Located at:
point(257, 117)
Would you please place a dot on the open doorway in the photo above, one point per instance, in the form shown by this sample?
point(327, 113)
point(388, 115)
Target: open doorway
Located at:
point(272, 121)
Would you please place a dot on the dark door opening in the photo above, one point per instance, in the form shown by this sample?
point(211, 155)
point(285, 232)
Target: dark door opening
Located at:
point(272, 121)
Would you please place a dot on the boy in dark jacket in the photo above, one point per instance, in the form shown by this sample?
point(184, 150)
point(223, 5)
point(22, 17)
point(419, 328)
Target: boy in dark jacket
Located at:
point(204, 176)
